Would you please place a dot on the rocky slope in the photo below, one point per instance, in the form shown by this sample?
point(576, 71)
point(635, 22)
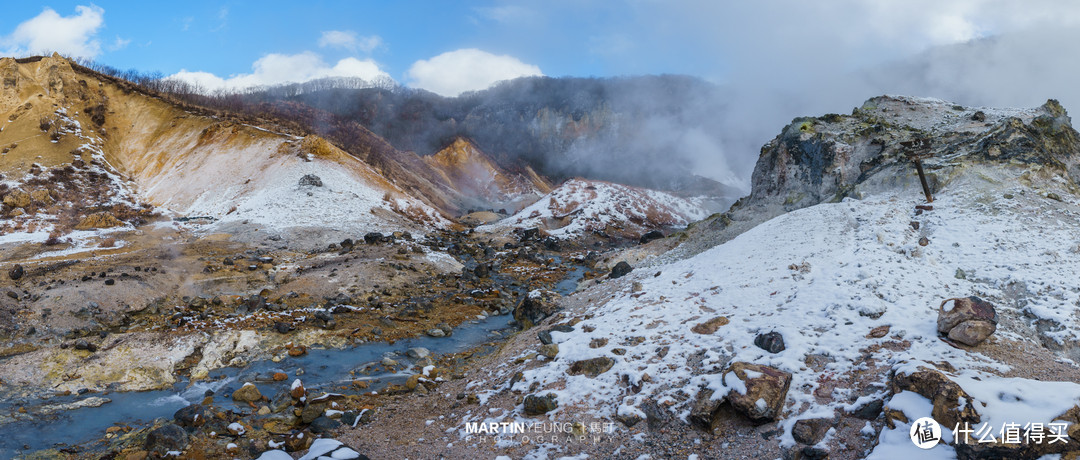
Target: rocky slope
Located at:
point(823, 331)
point(648, 131)
point(95, 146)
point(579, 208)
point(484, 184)
point(826, 158)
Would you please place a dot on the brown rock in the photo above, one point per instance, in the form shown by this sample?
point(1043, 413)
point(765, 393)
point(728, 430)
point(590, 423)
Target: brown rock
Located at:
point(766, 390)
point(298, 350)
point(98, 220)
point(312, 412)
point(297, 391)
point(41, 196)
point(952, 404)
point(550, 350)
point(279, 376)
point(972, 319)
point(878, 332)
point(704, 409)
point(412, 382)
point(811, 430)
point(137, 455)
point(591, 367)
point(247, 393)
point(710, 326)
point(299, 441)
point(17, 199)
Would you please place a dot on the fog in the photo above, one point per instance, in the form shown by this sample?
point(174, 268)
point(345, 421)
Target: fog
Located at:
point(801, 59)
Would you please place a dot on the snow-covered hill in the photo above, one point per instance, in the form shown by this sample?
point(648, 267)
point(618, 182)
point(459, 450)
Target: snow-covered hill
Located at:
point(850, 281)
point(579, 206)
point(123, 154)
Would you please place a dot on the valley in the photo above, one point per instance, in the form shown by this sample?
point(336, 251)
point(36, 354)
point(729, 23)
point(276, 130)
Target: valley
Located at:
point(184, 280)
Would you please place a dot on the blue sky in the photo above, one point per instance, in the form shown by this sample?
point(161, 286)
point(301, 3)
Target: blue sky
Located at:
point(225, 38)
point(453, 46)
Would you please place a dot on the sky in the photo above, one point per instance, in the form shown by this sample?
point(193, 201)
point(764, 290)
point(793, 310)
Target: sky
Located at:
point(779, 58)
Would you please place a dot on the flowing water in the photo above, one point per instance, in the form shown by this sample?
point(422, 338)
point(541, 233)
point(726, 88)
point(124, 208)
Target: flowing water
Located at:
point(320, 369)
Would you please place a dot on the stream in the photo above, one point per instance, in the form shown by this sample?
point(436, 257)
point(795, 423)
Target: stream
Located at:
point(320, 369)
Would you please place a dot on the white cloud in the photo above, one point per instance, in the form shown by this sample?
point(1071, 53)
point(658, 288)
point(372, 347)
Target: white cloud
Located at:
point(48, 32)
point(455, 72)
point(507, 13)
point(348, 39)
point(274, 69)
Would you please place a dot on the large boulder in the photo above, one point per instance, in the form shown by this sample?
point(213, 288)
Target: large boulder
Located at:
point(952, 404)
point(169, 438)
point(537, 405)
point(17, 199)
point(98, 220)
point(536, 306)
point(762, 392)
point(591, 367)
point(970, 320)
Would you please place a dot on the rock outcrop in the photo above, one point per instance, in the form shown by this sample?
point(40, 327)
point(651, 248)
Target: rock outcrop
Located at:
point(830, 157)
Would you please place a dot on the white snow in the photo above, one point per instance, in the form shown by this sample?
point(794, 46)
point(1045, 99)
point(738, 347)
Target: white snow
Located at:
point(578, 206)
point(865, 270)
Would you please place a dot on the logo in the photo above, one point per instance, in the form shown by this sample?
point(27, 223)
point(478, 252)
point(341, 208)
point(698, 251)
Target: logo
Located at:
point(925, 433)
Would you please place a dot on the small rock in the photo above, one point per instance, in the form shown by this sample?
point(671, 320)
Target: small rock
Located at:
point(310, 180)
point(591, 367)
point(544, 337)
point(418, 353)
point(373, 238)
point(978, 116)
point(869, 411)
point(247, 393)
point(324, 424)
point(879, 332)
point(297, 390)
point(710, 326)
point(628, 419)
point(771, 342)
point(620, 269)
point(279, 376)
point(298, 350)
point(435, 333)
point(704, 409)
point(650, 236)
point(299, 441)
point(766, 390)
point(169, 438)
point(83, 344)
point(283, 328)
point(598, 342)
point(970, 320)
point(537, 405)
point(310, 412)
point(16, 272)
point(194, 415)
point(923, 241)
point(811, 430)
point(550, 350)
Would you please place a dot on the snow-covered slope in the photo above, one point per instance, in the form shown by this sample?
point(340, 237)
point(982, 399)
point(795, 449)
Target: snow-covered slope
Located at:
point(579, 206)
point(855, 296)
point(65, 128)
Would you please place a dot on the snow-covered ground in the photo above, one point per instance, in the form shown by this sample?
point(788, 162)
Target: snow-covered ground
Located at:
point(579, 206)
point(825, 277)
